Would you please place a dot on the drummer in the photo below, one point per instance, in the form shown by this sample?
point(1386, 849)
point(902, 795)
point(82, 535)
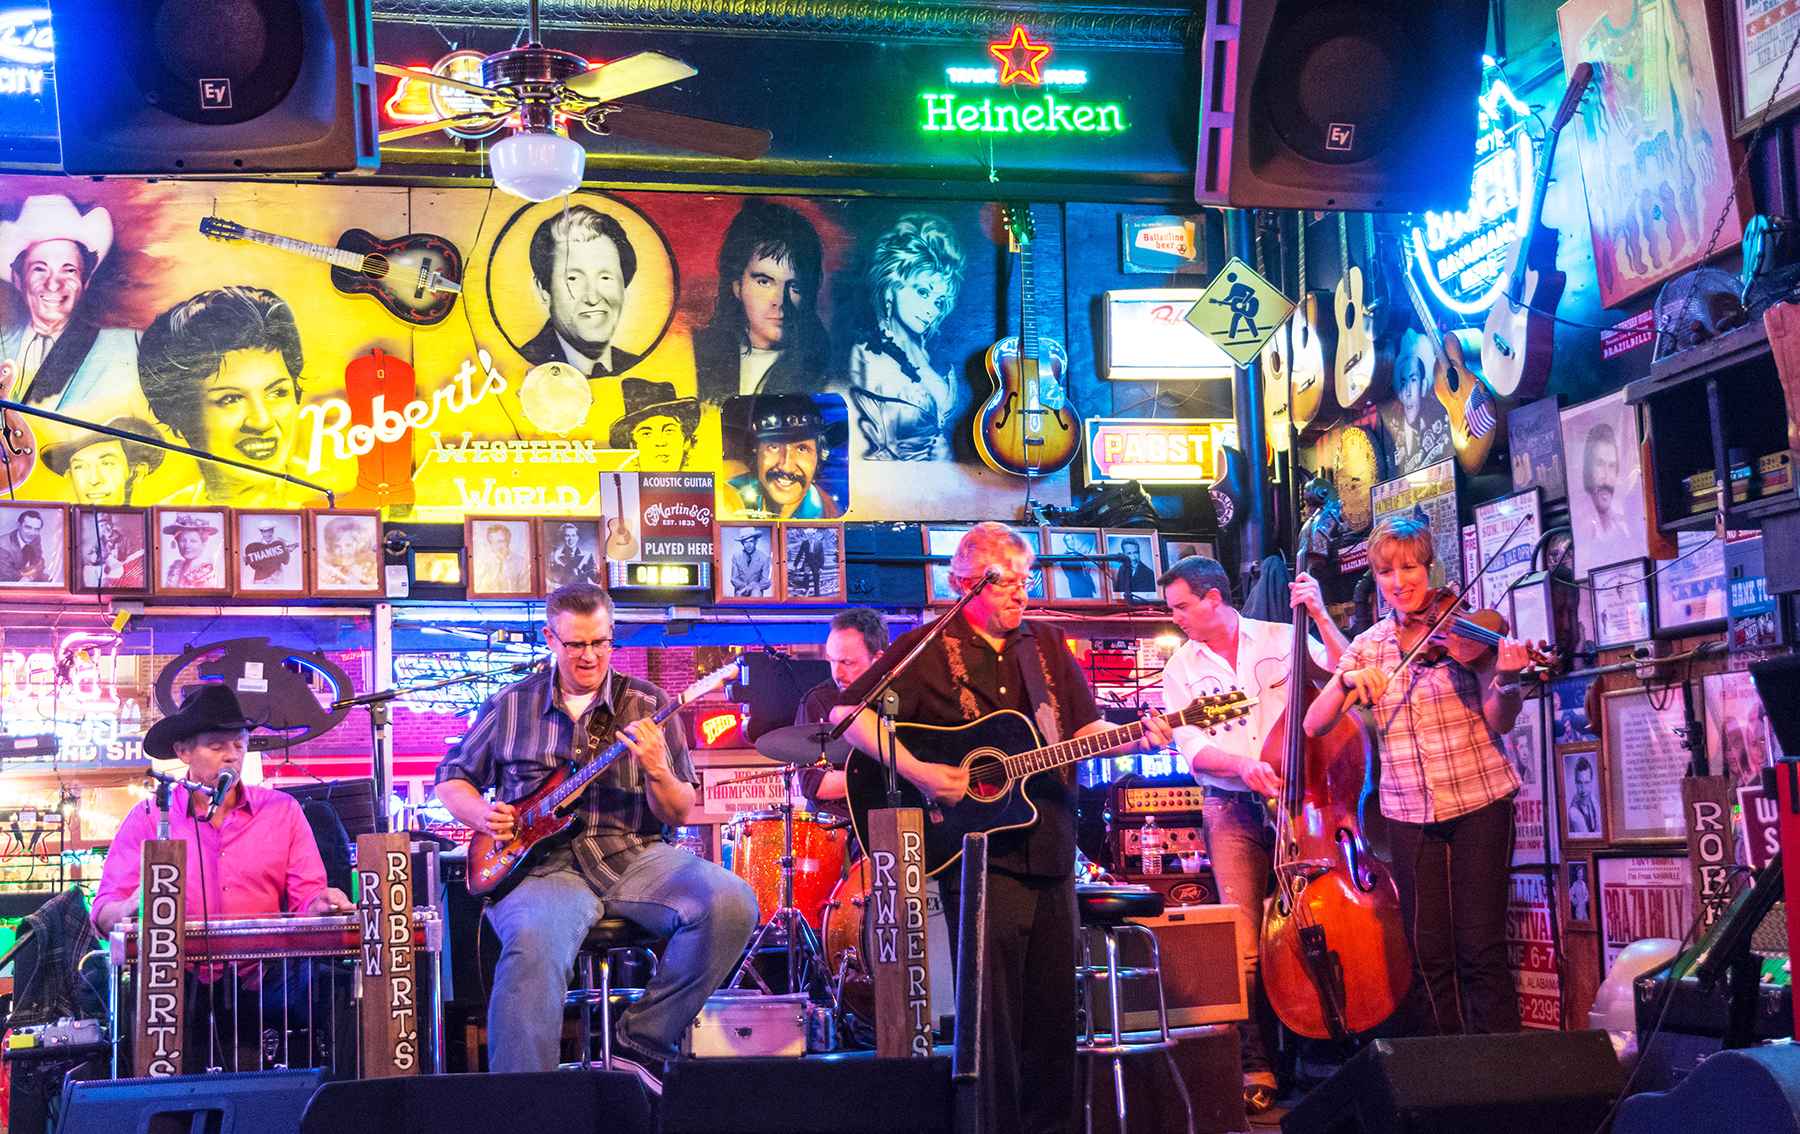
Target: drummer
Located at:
point(856, 639)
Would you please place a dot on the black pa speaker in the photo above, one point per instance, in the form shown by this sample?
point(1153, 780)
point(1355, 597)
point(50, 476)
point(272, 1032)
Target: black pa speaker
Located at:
point(215, 86)
point(1544, 1082)
point(253, 1102)
point(855, 1095)
point(1339, 104)
point(541, 1101)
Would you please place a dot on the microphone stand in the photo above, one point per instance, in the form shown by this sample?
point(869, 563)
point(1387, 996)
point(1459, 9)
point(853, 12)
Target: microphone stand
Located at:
point(167, 446)
point(381, 722)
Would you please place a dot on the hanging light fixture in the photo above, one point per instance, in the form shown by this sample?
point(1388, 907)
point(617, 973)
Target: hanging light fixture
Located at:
point(538, 160)
point(538, 165)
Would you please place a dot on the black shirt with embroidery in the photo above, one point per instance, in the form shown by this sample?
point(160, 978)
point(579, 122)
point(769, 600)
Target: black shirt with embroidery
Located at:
point(931, 692)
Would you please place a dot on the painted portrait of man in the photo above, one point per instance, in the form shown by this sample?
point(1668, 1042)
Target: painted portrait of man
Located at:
point(787, 450)
point(582, 264)
point(102, 469)
point(765, 336)
point(659, 425)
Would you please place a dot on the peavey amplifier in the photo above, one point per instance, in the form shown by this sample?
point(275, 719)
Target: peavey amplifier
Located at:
point(1202, 976)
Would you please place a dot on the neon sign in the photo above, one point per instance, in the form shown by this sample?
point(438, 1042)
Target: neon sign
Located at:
point(1021, 65)
point(26, 50)
point(1156, 450)
point(1461, 256)
point(415, 102)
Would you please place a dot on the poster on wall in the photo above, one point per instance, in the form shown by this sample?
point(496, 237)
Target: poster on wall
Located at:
point(1761, 32)
point(1646, 761)
point(1429, 494)
point(1536, 449)
point(1655, 155)
point(1690, 589)
point(1506, 533)
point(1533, 839)
point(1531, 950)
point(1415, 421)
point(1641, 896)
point(1739, 742)
point(1606, 494)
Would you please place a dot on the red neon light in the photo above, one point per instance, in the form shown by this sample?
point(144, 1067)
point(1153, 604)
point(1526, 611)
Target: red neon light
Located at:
point(1020, 58)
point(411, 101)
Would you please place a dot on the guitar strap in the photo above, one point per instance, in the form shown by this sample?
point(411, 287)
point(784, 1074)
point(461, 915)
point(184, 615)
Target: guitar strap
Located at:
point(1041, 689)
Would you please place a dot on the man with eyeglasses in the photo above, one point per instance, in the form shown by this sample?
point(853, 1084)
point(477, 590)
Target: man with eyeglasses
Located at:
point(619, 861)
point(987, 660)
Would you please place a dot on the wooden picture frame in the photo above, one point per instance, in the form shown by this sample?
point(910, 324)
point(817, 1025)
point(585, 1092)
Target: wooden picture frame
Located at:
point(1744, 106)
point(1655, 889)
point(1646, 762)
point(1576, 907)
point(44, 571)
point(271, 559)
point(1117, 542)
point(109, 551)
point(1581, 796)
point(812, 549)
point(184, 567)
point(558, 563)
point(727, 582)
point(500, 568)
point(346, 559)
point(1073, 583)
point(1623, 612)
point(941, 539)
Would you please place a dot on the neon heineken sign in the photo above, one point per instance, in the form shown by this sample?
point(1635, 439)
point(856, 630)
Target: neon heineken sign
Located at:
point(1020, 64)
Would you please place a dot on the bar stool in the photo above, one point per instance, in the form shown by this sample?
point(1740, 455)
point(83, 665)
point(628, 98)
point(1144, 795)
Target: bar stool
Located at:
point(1105, 913)
point(609, 938)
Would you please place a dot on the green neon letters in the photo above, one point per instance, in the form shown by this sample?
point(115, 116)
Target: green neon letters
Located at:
point(946, 113)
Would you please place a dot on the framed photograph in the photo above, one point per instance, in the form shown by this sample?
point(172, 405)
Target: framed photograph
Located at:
point(1537, 452)
point(271, 553)
point(812, 556)
point(1738, 741)
point(1575, 722)
point(1035, 587)
point(1622, 610)
point(501, 559)
point(1175, 547)
point(346, 553)
point(1583, 797)
point(1690, 589)
point(941, 540)
point(1757, 35)
point(750, 571)
point(1081, 579)
point(1638, 896)
point(34, 547)
point(1506, 533)
point(1132, 565)
point(112, 550)
point(193, 552)
point(1534, 840)
point(1646, 761)
point(1578, 893)
point(570, 551)
point(1606, 482)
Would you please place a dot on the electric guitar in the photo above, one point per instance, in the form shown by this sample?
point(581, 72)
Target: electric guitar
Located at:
point(1001, 750)
point(1519, 330)
point(1365, 356)
point(1026, 427)
point(1476, 423)
point(546, 813)
point(417, 277)
point(620, 542)
point(1312, 349)
point(18, 444)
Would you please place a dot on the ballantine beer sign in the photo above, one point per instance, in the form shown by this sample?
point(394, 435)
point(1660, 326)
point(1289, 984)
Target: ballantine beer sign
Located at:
point(1020, 65)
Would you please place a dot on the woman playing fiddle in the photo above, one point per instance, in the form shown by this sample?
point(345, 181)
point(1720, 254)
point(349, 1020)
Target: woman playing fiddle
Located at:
point(1446, 784)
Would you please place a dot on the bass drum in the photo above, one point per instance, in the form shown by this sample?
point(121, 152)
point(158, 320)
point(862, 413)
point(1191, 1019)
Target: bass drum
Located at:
point(846, 939)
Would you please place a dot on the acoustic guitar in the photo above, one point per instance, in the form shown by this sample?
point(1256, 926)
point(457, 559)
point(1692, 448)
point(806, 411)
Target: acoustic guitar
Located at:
point(621, 542)
point(417, 277)
point(1312, 349)
point(1274, 360)
point(1026, 427)
point(1365, 356)
point(18, 444)
point(1476, 423)
point(1520, 329)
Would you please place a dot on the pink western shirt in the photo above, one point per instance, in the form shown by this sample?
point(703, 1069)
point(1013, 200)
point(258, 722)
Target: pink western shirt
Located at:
point(261, 861)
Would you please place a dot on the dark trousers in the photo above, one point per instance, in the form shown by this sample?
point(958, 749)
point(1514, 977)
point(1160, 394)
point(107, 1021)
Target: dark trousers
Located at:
point(1453, 881)
point(1028, 1061)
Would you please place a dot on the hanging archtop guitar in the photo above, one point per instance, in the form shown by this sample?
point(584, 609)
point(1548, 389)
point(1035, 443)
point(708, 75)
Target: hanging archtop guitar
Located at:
point(547, 813)
point(1001, 751)
point(1027, 427)
point(417, 277)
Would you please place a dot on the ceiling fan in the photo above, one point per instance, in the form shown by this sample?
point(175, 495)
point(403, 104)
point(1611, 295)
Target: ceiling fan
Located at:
point(539, 89)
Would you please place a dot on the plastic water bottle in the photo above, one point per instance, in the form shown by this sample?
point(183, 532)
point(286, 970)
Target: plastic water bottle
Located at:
point(1150, 846)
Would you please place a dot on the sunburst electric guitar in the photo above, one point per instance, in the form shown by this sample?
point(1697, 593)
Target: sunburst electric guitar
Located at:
point(417, 277)
point(1027, 427)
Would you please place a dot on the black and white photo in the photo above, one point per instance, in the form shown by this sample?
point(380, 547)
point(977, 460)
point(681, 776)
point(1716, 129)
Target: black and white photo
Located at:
point(812, 562)
point(1080, 580)
point(569, 551)
point(192, 556)
point(1133, 565)
point(751, 569)
point(112, 550)
point(1606, 490)
point(500, 557)
point(271, 553)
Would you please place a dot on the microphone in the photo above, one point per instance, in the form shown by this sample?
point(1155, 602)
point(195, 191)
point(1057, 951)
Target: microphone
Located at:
point(775, 652)
point(991, 575)
point(220, 790)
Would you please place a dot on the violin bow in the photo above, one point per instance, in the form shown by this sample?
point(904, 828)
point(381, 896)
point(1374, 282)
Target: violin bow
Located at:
point(1451, 610)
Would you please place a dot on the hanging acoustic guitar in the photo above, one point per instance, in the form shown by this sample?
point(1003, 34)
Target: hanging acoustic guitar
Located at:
point(417, 277)
point(1026, 427)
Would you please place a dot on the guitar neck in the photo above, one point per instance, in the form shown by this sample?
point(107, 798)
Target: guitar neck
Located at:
point(1022, 764)
point(1422, 310)
point(336, 257)
point(583, 776)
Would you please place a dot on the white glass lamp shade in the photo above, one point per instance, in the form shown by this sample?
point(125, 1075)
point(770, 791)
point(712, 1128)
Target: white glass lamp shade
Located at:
point(537, 166)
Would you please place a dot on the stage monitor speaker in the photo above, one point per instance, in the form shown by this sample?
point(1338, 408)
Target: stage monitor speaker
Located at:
point(215, 86)
point(253, 1102)
point(1543, 1082)
point(856, 1095)
point(538, 1102)
point(1339, 104)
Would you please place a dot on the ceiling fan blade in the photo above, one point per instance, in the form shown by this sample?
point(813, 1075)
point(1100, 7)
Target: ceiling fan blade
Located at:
point(682, 132)
point(440, 80)
point(461, 120)
point(630, 75)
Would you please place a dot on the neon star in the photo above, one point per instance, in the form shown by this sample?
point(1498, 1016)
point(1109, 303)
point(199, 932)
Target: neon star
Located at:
point(1020, 58)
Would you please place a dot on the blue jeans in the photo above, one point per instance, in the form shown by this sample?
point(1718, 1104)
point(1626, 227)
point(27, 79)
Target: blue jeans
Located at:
point(1241, 845)
point(706, 913)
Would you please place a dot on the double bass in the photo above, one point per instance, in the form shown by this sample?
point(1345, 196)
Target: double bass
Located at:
point(1334, 956)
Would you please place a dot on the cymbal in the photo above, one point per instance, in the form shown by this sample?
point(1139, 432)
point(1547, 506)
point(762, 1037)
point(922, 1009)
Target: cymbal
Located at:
point(803, 744)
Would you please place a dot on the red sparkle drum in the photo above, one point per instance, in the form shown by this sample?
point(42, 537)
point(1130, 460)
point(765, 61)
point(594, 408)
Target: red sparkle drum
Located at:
point(821, 846)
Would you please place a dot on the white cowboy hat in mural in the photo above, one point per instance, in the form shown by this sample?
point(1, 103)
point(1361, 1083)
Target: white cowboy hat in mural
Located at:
point(55, 217)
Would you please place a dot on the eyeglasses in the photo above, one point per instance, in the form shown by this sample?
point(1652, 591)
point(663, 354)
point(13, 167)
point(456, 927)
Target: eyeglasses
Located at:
point(598, 645)
point(1017, 583)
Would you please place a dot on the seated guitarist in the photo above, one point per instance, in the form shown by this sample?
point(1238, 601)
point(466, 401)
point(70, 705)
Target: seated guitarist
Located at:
point(990, 659)
point(618, 862)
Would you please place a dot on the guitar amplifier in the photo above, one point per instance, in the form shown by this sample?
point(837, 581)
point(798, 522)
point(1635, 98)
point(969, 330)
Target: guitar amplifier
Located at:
point(1181, 837)
point(1202, 976)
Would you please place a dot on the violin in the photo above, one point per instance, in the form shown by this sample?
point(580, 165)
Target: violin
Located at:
point(1444, 628)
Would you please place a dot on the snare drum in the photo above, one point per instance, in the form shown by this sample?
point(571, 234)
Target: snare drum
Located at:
point(820, 849)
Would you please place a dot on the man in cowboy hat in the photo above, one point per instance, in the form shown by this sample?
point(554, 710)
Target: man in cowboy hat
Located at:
point(192, 568)
point(104, 470)
point(659, 425)
point(62, 358)
point(787, 446)
point(257, 851)
point(751, 567)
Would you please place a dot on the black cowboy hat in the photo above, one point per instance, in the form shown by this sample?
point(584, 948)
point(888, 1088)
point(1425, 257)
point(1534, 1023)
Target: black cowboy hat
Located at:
point(644, 399)
point(795, 417)
point(58, 454)
point(209, 708)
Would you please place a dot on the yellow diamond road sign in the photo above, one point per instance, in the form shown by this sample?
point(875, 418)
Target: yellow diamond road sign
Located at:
point(1239, 310)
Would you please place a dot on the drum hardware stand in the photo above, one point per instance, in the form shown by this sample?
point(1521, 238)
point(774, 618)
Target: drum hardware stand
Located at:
point(804, 953)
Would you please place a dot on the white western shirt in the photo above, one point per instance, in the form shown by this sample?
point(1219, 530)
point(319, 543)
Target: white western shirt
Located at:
point(1194, 670)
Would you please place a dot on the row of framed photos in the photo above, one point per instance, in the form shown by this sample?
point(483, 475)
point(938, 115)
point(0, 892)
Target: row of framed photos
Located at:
point(794, 561)
point(1082, 566)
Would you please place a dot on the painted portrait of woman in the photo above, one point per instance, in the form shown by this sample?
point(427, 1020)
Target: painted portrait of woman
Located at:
point(902, 400)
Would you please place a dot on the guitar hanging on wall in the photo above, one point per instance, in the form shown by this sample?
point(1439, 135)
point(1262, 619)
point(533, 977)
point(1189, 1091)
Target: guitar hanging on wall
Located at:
point(1520, 327)
point(1365, 355)
point(621, 543)
point(1312, 347)
point(1475, 419)
point(417, 277)
point(1026, 427)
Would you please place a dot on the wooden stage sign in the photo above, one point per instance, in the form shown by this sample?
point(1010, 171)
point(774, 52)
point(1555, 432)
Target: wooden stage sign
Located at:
point(897, 932)
point(389, 1010)
point(157, 1029)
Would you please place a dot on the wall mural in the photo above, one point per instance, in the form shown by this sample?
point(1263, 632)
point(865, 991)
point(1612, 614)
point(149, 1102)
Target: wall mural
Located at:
point(436, 353)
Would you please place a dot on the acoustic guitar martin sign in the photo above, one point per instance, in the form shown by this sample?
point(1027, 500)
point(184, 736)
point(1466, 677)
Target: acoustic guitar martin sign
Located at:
point(1240, 310)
